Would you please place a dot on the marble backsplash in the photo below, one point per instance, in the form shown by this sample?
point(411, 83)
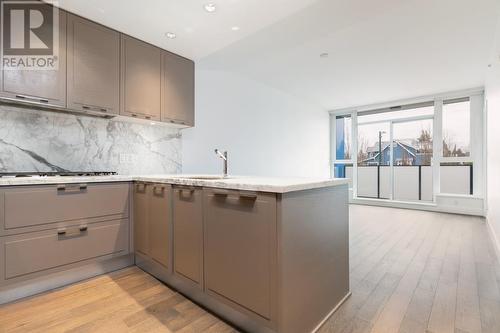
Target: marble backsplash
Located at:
point(34, 140)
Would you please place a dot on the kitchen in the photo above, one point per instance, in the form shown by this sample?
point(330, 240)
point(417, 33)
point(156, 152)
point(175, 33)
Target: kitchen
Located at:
point(159, 171)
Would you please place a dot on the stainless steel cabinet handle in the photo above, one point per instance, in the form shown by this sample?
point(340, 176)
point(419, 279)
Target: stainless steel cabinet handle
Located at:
point(148, 117)
point(77, 232)
point(94, 108)
point(140, 187)
point(32, 98)
point(248, 195)
point(189, 191)
point(71, 187)
point(158, 187)
point(186, 191)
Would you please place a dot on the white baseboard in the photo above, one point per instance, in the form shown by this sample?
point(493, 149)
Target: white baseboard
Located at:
point(494, 238)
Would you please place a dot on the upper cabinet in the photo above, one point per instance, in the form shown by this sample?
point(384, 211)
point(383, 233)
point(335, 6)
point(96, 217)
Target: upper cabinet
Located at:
point(93, 66)
point(177, 89)
point(102, 72)
point(141, 79)
point(40, 86)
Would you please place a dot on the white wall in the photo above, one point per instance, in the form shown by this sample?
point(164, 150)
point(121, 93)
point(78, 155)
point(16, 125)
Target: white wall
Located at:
point(493, 140)
point(267, 132)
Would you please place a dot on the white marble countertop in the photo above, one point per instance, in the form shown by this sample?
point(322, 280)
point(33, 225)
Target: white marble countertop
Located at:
point(261, 184)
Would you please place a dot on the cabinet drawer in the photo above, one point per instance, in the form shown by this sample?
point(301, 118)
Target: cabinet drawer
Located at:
point(35, 252)
point(36, 205)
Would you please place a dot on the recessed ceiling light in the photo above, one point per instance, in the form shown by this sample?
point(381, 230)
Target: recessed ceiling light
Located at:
point(210, 7)
point(235, 28)
point(324, 55)
point(170, 35)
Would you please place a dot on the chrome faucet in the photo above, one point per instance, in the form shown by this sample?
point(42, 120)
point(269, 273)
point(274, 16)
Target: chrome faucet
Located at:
point(224, 157)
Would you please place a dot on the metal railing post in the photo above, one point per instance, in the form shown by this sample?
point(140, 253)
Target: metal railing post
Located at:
point(378, 181)
point(419, 182)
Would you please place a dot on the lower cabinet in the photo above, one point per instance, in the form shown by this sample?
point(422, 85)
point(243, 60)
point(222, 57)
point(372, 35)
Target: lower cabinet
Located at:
point(223, 244)
point(188, 233)
point(34, 253)
point(240, 248)
point(48, 230)
point(152, 222)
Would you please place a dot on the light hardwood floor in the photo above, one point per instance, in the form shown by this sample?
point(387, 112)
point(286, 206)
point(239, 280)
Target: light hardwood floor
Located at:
point(411, 271)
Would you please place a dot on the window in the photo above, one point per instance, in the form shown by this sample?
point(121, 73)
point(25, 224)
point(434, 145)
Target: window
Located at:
point(413, 153)
point(457, 178)
point(373, 144)
point(343, 149)
point(399, 113)
point(456, 128)
point(403, 135)
point(343, 170)
point(425, 150)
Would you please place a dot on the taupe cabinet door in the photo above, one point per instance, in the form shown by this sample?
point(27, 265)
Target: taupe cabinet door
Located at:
point(240, 248)
point(141, 218)
point(93, 66)
point(141, 79)
point(159, 223)
point(188, 233)
point(46, 87)
point(177, 89)
point(152, 221)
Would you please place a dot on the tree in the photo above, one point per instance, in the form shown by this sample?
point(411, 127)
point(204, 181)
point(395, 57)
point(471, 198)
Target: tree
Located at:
point(446, 148)
point(362, 152)
point(347, 140)
point(448, 143)
point(425, 146)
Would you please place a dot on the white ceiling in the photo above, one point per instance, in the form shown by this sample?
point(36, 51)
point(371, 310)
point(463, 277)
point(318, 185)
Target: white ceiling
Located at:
point(198, 33)
point(378, 50)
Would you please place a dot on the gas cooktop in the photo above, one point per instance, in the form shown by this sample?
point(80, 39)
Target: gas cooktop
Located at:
point(56, 173)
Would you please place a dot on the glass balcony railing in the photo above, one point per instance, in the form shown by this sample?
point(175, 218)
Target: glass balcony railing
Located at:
point(410, 183)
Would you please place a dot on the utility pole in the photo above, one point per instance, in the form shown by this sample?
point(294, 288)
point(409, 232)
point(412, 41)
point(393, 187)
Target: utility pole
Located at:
point(379, 161)
point(380, 147)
